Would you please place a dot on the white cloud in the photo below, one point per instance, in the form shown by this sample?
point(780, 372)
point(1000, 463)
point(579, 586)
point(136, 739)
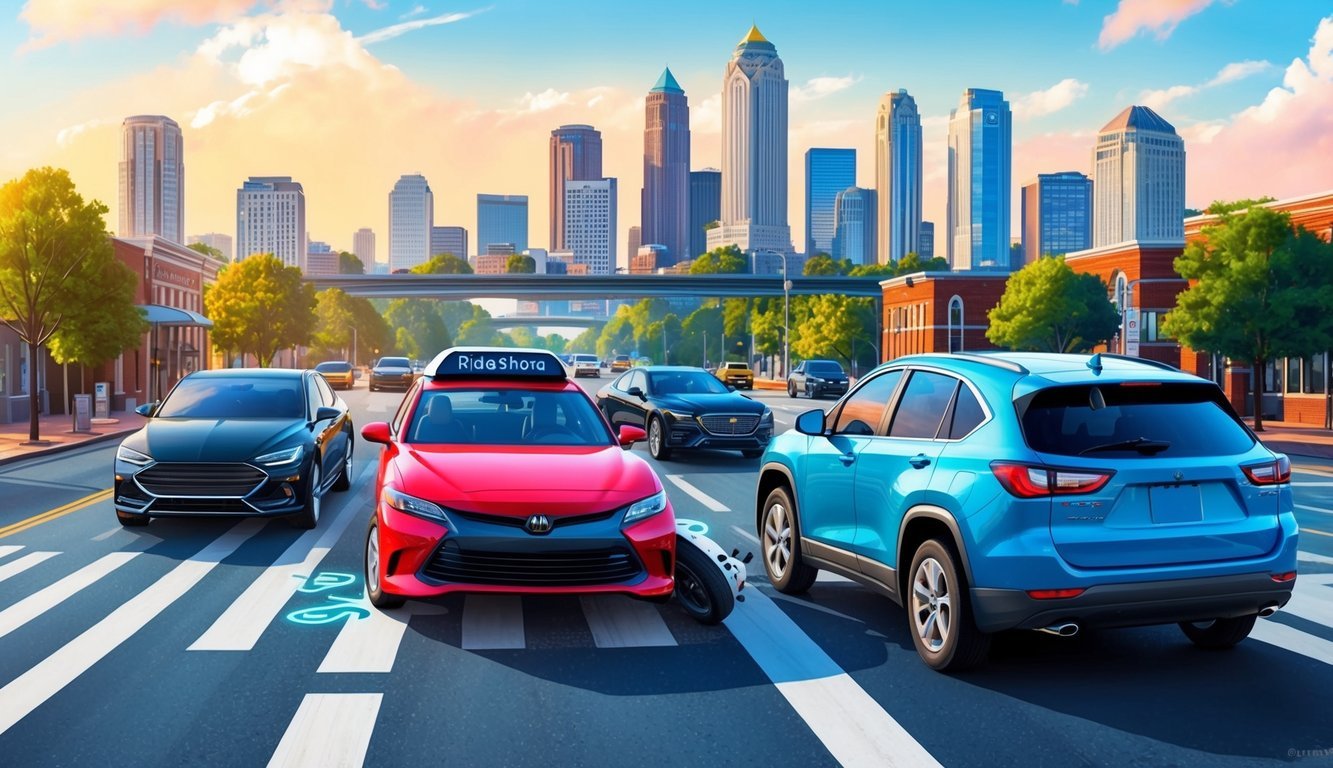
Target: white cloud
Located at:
point(396, 30)
point(417, 11)
point(55, 21)
point(819, 87)
point(1158, 16)
point(541, 102)
point(67, 135)
point(1237, 70)
point(1053, 99)
point(706, 115)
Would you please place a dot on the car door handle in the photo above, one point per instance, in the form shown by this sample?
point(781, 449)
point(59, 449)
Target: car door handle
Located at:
point(920, 461)
point(847, 459)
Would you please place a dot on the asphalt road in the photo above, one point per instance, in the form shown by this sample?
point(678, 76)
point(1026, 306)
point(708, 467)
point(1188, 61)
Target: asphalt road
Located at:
point(248, 643)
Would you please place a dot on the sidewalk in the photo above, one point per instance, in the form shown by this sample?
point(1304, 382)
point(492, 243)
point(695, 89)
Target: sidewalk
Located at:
point(1297, 439)
point(56, 432)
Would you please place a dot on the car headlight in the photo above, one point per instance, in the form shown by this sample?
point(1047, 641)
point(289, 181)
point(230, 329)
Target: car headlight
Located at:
point(131, 456)
point(767, 417)
point(279, 458)
point(678, 415)
point(414, 506)
point(646, 508)
point(816, 380)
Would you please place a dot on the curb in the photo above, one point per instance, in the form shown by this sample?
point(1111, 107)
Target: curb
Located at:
point(64, 447)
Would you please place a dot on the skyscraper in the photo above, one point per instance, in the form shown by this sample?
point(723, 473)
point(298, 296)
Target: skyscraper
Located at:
point(502, 219)
point(1139, 168)
point(635, 239)
point(925, 245)
point(898, 176)
point(576, 155)
point(449, 240)
point(363, 246)
point(590, 224)
point(980, 152)
point(1056, 215)
point(411, 215)
point(827, 173)
point(705, 207)
point(854, 230)
point(152, 178)
point(214, 240)
point(270, 218)
point(754, 150)
point(666, 169)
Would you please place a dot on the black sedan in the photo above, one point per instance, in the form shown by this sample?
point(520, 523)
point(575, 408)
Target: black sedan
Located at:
point(392, 373)
point(237, 441)
point(684, 407)
point(817, 378)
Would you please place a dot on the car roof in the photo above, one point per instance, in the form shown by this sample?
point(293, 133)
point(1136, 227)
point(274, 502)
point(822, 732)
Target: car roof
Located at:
point(671, 369)
point(248, 373)
point(1029, 371)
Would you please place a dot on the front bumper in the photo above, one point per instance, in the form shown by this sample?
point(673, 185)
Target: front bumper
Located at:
point(745, 382)
point(689, 433)
point(273, 492)
point(392, 382)
point(827, 388)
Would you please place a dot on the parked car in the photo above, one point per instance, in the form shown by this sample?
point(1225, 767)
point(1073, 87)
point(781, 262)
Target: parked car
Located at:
point(1034, 491)
point(587, 365)
point(339, 373)
point(392, 373)
point(736, 374)
point(682, 407)
point(237, 442)
point(620, 364)
point(817, 378)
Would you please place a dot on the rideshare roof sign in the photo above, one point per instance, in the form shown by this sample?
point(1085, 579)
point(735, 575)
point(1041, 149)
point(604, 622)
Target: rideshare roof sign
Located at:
point(496, 362)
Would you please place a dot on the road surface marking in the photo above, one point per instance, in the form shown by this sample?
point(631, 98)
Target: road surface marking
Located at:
point(1312, 600)
point(39, 602)
point(1314, 509)
point(493, 622)
point(698, 495)
point(1316, 532)
point(1314, 484)
point(24, 563)
point(29, 690)
point(329, 729)
point(371, 644)
point(239, 627)
point(853, 727)
point(52, 514)
point(1294, 640)
point(1313, 558)
point(9, 549)
point(108, 534)
point(746, 534)
point(617, 621)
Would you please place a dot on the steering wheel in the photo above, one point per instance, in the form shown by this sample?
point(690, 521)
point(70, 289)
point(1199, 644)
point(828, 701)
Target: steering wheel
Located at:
point(540, 434)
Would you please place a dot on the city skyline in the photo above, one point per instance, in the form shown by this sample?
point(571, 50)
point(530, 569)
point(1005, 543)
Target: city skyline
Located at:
point(249, 106)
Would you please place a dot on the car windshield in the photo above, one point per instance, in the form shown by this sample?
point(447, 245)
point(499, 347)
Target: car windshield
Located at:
point(506, 417)
point(586, 359)
point(737, 366)
point(234, 398)
point(685, 383)
point(823, 366)
point(1134, 420)
point(393, 362)
point(333, 367)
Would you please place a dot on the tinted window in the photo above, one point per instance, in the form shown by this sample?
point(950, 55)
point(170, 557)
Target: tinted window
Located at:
point(685, 383)
point(398, 415)
point(1191, 418)
point(393, 362)
point(862, 412)
point(923, 405)
point(333, 367)
point(235, 398)
point(967, 413)
point(637, 379)
point(506, 417)
point(823, 367)
point(326, 395)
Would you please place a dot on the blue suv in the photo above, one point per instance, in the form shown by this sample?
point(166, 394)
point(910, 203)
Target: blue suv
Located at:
point(987, 492)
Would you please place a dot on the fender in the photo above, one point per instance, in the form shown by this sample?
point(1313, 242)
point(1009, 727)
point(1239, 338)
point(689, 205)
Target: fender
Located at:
point(786, 472)
point(733, 570)
point(943, 516)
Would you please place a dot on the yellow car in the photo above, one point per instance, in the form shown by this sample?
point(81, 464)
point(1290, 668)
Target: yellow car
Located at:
point(620, 363)
point(338, 373)
point(737, 375)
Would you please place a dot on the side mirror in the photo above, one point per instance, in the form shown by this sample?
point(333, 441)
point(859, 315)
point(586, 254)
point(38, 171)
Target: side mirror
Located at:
point(637, 392)
point(810, 423)
point(147, 409)
point(327, 413)
point(629, 435)
point(376, 432)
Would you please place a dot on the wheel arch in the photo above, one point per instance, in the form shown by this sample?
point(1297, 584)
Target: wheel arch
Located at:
point(773, 475)
point(924, 522)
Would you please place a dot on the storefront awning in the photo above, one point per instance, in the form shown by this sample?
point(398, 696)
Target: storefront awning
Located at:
point(157, 314)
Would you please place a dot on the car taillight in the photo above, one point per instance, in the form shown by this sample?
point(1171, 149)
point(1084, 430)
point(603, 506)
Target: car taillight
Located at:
point(1054, 594)
point(1031, 481)
point(1270, 472)
point(1282, 578)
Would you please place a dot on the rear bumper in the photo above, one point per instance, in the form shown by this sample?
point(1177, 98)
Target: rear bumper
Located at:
point(1133, 604)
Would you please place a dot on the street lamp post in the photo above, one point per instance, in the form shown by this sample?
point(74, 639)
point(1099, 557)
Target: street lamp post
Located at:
point(786, 318)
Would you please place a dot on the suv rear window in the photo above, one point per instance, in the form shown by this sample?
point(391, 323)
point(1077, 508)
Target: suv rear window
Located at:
point(822, 366)
point(394, 362)
point(333, 367)
point(1133, 420)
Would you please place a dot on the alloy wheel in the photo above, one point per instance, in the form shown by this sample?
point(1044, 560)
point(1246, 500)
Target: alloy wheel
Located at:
point(932, 604)
point(777, 540)
point(373, 561)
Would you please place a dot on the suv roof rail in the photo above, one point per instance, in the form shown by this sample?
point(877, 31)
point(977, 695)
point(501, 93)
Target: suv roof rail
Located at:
point(998, 362)
point(1151, 363)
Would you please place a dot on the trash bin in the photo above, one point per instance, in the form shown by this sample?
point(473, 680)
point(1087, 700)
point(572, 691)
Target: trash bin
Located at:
point(83, 413)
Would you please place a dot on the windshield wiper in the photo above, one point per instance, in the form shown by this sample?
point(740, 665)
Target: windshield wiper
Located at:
point(1141, 444)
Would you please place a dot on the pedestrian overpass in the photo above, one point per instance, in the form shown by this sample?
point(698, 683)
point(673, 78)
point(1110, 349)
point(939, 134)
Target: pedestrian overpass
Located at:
point(550, 321)
point(619, 286)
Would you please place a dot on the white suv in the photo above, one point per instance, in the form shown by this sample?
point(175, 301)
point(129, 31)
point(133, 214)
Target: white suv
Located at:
point(587, 365)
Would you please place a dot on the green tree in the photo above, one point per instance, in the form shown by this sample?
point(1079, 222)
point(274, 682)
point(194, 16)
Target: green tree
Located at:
point(372, 332)
point(912, 263)
point(334, 321)
point(207, 250)
point(1259, 291)
point(1049, 307)
point(727, 260)
point(443, 264)
point(1235, 206)
point(258, 306)
point(56, 268)
point(418, 329)
point(822, 264)
point(585, 342)
point(520, 264)
point(350, 264)
point(479, 330)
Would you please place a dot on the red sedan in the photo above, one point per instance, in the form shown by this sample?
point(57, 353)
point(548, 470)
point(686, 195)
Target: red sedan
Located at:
point(500, 475)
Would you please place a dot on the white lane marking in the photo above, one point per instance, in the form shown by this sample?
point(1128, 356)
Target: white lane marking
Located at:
point(239, 627)
point(39, 602)
point(853, 727)
point(9, 549)
point(1312, 600)
point(329, 729)
point(617, 621)
point(1294, 640)
point(1314, 484)
point(698, 495)
point(1313, 558)
point(746, 534)
point(108, 534)
point(493, 622)
point(1314, 509)
point(44, 680)
point(24, 563)
point(371, 644)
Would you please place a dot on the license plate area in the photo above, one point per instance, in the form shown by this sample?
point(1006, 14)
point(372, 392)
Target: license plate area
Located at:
point(1175, 503)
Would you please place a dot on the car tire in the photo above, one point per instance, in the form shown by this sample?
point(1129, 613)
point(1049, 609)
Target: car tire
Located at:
point(131, 520)
point(374, 589)
point(701, 589)
point(939, 611)
point(308, 517)
point(344, 480)
point(753, 453)
point(657, 440)
point(780, 545)
point(1218, 634)
point(791, 389)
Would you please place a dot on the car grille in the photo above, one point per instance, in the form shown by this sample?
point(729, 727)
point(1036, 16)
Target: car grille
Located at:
point(189, 506)
point(538, 569)
point(196, 480)
point(729, 424)
point(520, 522)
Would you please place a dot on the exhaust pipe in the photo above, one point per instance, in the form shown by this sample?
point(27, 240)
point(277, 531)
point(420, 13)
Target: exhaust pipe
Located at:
point(1068, 629)
point(1268, 610)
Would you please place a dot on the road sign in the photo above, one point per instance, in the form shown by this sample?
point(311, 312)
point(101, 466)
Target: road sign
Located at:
point(1131, 332)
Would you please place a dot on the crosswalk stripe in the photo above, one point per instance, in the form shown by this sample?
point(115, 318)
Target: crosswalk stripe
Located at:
point(329, 730)
point(1309, 508)
point(851, 724)
point(371, 644)
point(9, 549)
point(492, 622)
point(29, 690)
point(39, 602)
point(9, 570)
point(1294, 640)
point(698, 495)
point(1312, 557)
point(619, 622)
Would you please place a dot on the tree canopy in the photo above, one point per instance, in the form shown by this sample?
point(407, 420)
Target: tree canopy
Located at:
point(207, 250)
point(520, 264)
point(1049, 307)
point(259, 306)
point(726, 260)
point(443, 264)
point(350, 264)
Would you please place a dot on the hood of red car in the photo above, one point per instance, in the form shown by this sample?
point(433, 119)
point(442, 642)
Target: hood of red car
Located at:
point(522, 480)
